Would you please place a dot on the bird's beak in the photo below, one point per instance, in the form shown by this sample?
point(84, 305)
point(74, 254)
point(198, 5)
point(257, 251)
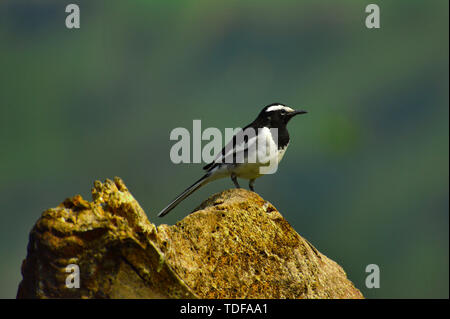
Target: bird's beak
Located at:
point(297, 113)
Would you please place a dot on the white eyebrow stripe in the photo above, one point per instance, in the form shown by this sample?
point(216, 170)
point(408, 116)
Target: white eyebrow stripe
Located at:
point(279, 107)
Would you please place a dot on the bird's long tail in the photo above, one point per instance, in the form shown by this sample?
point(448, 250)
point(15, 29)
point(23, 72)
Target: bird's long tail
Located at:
point(202, 181)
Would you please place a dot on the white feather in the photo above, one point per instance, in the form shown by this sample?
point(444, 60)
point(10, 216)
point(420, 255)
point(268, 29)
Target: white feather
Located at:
point(279, 107)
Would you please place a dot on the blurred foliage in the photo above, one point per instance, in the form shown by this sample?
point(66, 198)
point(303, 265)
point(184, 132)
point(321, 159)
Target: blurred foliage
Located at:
point(366, 175)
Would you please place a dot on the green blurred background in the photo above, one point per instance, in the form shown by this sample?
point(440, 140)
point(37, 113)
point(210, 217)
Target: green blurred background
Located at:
point(365, 179)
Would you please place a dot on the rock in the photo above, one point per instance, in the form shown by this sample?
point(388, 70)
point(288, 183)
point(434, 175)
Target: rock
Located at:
point(235, 245)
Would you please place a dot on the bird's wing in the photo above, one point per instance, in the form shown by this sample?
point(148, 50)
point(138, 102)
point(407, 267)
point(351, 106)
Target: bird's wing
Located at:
point(237, 148)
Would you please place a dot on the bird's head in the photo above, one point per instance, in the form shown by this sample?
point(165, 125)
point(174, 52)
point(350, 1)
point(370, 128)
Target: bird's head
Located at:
point(277, 115)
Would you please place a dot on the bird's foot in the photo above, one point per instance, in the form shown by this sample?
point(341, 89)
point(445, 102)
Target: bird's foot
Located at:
point(234, 179)
point(251, 185)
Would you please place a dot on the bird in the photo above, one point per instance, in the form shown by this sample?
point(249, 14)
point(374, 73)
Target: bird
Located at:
point(244, 156)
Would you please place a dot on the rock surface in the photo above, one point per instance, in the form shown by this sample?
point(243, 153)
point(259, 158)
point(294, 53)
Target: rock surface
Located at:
point(235, 245)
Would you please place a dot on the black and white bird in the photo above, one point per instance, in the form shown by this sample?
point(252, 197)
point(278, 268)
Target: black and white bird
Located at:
point(260, 143)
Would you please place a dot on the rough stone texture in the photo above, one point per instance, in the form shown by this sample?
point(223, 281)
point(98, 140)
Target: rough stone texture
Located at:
point(235, 245)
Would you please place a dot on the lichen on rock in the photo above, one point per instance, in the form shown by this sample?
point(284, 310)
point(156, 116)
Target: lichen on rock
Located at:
point(234, 245)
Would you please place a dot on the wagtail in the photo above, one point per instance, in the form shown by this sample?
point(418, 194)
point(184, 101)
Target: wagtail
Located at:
point(259, 144)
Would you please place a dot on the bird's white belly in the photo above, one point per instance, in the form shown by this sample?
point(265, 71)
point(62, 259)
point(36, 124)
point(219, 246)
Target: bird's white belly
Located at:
point(253, 170)
point(248, 170)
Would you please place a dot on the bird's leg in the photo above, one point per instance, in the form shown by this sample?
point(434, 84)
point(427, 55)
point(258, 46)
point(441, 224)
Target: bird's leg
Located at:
point(234, 179)
point(251, 185)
